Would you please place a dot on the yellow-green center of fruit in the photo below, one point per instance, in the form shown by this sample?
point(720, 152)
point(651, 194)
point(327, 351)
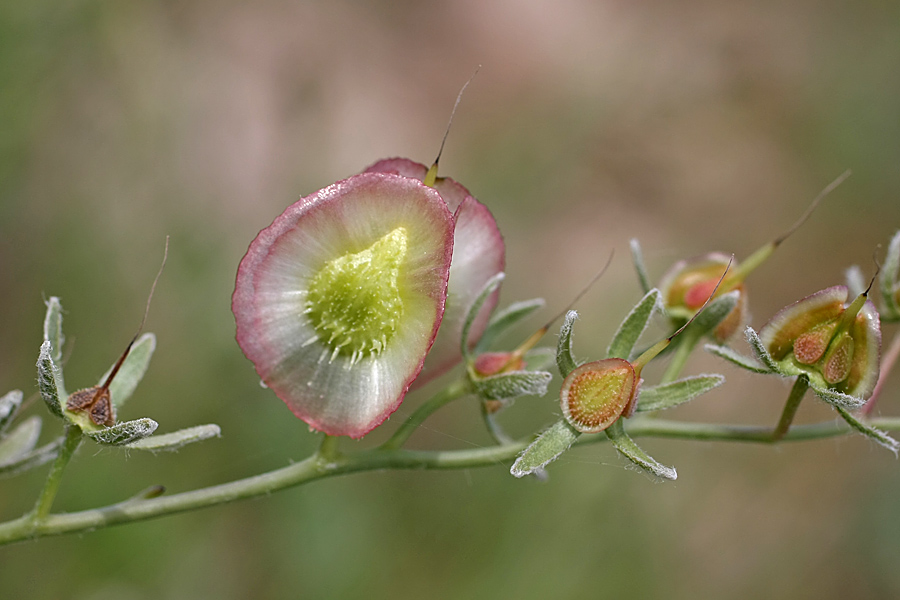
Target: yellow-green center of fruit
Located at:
point(354, 302)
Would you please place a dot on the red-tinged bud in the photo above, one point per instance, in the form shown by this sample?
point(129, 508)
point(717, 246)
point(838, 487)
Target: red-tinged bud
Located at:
point(689, 283)
point(494, 363)
point(596, 394)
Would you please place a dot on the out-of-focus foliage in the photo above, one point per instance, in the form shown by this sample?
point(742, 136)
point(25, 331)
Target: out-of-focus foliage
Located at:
point(695, 127)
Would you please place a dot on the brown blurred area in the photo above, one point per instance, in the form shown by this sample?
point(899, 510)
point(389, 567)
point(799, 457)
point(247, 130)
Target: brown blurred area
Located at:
point(694, 127)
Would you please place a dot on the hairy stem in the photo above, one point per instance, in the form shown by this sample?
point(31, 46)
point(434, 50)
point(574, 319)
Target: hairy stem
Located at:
point(315, 468)
point(790, 408)
point(51, 486)
point(448, 394)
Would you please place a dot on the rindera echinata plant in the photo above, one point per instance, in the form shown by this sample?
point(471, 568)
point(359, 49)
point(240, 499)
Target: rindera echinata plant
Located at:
point(362, 290)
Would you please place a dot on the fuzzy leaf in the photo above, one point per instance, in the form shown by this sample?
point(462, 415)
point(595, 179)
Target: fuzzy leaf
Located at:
point(486, 292)
point(760, 351)
point(678, 392)
point(513, 385)
point(890, 280)
point(20, 440)
point(173, 441)
point(32, 460)
point(132, 371)
point(124, 433)
point(877, 435)
point(53, 328)
point(505, 319)
point(637, 257)
point(736, 358)
point(564, 359)
point(837, 399)
point(9, 405)
point(540, 359)
point(716, 311)
point(50, 380)
point(545, 449)
point(633, 452)
point(634, 325)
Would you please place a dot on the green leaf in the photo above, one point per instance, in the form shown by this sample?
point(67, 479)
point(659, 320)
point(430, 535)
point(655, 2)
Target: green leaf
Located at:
point(53, 328)
point(678, 392)
point(760, 351)
point(545, 449)
point(736, 358)
point(169, 442)
point(633, 452)
point(564, 359)
point(637, 258)
point(512, 385)
point(486, 291)
point(50, 380)
point(633, 326)
point(32, 460)
point(124, 433)
point(716, 311)
point(837, 399)
point(540, 359)
point(132, 371)
point(505, 319)
point(20, 441)
point(889, 281)
point(9, 405)
point(877, 435)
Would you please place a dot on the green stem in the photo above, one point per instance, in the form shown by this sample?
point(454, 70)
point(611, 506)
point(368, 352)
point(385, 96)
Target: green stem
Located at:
point(314, 468)
point(328, 449)
point(448, 394)
point(51, 486)
point(790, 408)
point(683, 350)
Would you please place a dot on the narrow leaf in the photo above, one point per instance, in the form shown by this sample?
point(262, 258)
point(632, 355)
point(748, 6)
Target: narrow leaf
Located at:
point(9, 405)
point(564, 358)
point(20, 440)
point(637, 257)
point(32, 460)
point(540, 359)
point(53, 328)
point(486, 291)
point(877, 435)
point(760, 351)
point(173, 441)
point(633, 452)
point(132, 371)
point(545, 449)
point(736, 358)
point(633, 326)
point(837, 399)
point(505, 319)
point(50, 380)
point(124, 433)
point(512, 385)
point(678, 392)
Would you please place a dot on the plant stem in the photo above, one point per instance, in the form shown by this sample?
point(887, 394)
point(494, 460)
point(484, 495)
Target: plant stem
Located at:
point(314, 468)
point(448, 394)
point(51, 486)
point(683, 350)
point(790, 408)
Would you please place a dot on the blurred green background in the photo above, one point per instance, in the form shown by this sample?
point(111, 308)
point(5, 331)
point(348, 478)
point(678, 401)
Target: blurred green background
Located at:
point(696, 126)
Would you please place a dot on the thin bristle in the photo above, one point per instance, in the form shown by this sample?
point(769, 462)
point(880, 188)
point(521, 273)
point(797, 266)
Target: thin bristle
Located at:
point(812, 207)
point(453, 112)
point(708, 299)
